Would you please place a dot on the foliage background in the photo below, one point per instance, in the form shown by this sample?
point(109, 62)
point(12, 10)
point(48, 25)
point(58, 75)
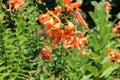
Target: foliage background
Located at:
point(20, 44)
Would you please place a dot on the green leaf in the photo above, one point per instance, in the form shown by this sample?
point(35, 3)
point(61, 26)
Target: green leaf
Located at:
point(59, 2)
point(1, 78)
point(86, 77)
point(93, 70)
point(106, 73)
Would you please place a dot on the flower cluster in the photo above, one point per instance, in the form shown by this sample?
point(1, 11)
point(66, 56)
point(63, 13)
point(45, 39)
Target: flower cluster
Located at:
point(115, 55)
point(116, 29)
point(66, 34)
point(15, 4)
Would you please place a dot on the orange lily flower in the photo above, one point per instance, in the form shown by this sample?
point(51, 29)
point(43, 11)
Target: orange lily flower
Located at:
point(73, 42)
point(114, 54)
point(108, 6)
point(67, 35)
point(52, 24)
point(68, 32)
point(71, 6)
point(55, 33)
point(16, 4)
point(43, 18)
point(83, 40)
point(46, 20)
point(45, 52)
point(57, 10)
point(76, 42)
point(70, 38)
point(116, 29)
point(49, 19)
point(66, 1)
point(80, 19)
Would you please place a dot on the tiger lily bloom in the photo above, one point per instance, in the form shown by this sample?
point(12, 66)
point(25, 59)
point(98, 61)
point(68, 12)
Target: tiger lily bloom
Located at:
point(108, 6)
point(55, 33)
point(66, 1)
point(114, 54)
point(16, 4)
point(73, 42)
point(69, 6)
point(43, 18)
point(116, 28)
point(46, 20)
point(57, 10)
point(68, 32)
point(49, 19)
point(76, 41)
point(67, 35)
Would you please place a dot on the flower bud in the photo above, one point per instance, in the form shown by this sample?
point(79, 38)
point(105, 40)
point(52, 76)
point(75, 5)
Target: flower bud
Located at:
point(46, 54)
